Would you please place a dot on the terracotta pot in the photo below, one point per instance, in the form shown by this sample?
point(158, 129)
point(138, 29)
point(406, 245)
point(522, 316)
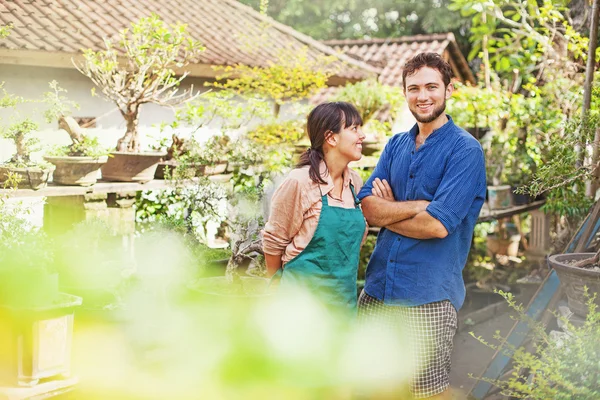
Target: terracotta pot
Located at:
point(31, 178)
point(131, 167)
point(81, 171)
point(574, 279)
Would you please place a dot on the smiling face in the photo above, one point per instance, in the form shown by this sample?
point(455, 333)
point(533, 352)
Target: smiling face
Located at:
point(349, 143)
point(426, 94)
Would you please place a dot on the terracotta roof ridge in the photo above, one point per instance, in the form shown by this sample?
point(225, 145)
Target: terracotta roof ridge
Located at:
point(304, 38)
point(401, 39)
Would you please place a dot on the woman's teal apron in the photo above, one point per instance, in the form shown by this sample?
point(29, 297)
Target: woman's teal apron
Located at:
point(329, 264)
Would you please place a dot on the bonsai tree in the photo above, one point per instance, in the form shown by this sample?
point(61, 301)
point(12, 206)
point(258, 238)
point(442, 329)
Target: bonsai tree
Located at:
point(140, 69)
point(19, 132)
point(295, 76)
point(59, 109)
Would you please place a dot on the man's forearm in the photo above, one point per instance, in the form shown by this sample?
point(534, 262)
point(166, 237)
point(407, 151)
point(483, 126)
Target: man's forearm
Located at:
point(382, 212)
point(421, 226)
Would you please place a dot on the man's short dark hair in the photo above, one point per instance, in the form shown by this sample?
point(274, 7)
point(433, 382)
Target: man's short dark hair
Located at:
point(431, 60)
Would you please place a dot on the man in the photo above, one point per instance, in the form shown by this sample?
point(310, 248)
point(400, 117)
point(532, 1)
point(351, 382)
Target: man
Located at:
point(426, 193)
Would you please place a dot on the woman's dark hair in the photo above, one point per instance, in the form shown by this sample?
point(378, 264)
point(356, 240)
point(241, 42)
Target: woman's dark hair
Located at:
point(325, 118)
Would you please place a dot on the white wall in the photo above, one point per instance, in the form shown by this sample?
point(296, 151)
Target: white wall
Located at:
point(31, 82)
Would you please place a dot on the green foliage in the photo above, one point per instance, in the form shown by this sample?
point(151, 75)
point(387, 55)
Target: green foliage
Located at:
point(340, 19)
point(188, 207)
point(371, 97)
point(5, 30)
point(477, 107)
point(277, 133)
point(562, 368)
point(153, 50)
point(58, 104)
point(293, 77)
point(221, 108)
point(520, 34)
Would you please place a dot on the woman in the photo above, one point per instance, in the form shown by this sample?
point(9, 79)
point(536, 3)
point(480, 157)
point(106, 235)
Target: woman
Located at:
point(316, 226)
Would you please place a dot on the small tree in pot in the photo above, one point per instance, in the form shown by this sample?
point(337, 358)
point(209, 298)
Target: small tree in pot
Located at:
point(79, 162)
point(20, 131)
point(140, 69)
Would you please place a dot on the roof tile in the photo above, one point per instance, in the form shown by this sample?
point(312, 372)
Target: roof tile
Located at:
point(221, 25)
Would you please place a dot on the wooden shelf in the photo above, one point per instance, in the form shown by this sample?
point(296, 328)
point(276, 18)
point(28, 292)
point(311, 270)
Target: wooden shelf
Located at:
point(489, 215)
point(104, 187)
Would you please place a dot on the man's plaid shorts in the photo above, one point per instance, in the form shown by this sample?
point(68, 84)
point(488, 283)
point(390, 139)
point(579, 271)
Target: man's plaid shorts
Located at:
point(430, 327)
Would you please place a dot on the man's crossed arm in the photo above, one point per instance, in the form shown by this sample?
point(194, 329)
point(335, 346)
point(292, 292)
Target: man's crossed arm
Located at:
point(407, 218)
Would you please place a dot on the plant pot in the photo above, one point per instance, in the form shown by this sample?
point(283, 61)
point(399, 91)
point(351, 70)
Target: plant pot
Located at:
point(520, 199)
point(31, 178)
point(131, 167)
point(247, 286)
point(36, 341)
point(215, 169)
point(194, 170)
point(574, 279)
point(499, 197)
point(79, 171)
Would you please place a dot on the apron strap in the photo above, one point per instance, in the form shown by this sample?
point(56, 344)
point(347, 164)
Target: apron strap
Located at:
point(356, 200)
point(323, 197)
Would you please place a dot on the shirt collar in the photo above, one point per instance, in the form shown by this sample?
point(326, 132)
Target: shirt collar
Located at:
point(328, 186)
point(448, 126)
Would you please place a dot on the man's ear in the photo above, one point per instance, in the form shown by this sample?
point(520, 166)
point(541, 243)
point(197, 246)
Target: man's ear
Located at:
point(449, 90)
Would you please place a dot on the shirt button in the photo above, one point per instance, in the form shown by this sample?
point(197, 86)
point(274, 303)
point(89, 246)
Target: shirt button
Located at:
point(391, 260)
point(412, 176)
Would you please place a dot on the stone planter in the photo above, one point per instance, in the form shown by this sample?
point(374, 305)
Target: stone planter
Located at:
point(574, 279)
point(36, 341)
point(215, 169)
point(131, 167)
point(499, 197)
point(78, 171)
point(31, 178)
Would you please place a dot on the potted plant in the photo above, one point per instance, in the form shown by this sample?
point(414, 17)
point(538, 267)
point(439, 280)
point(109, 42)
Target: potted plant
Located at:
point(246, 223)
point(578, 271)
point(36, 319)
point(29, 173)
point(151, 50)
point(78, 163)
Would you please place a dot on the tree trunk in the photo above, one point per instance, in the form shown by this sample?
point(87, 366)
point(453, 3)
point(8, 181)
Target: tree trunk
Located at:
point(589, 82)
point(130, 141)
point(69, 125)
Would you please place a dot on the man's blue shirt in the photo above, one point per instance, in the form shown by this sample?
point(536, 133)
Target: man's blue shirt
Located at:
point(449, 171)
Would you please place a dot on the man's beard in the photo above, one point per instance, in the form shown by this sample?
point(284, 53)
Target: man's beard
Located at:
point(431, 117)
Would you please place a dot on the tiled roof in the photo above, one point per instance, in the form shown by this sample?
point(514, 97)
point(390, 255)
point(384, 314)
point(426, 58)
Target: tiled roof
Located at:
point(232, 32)
point(392, 53)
